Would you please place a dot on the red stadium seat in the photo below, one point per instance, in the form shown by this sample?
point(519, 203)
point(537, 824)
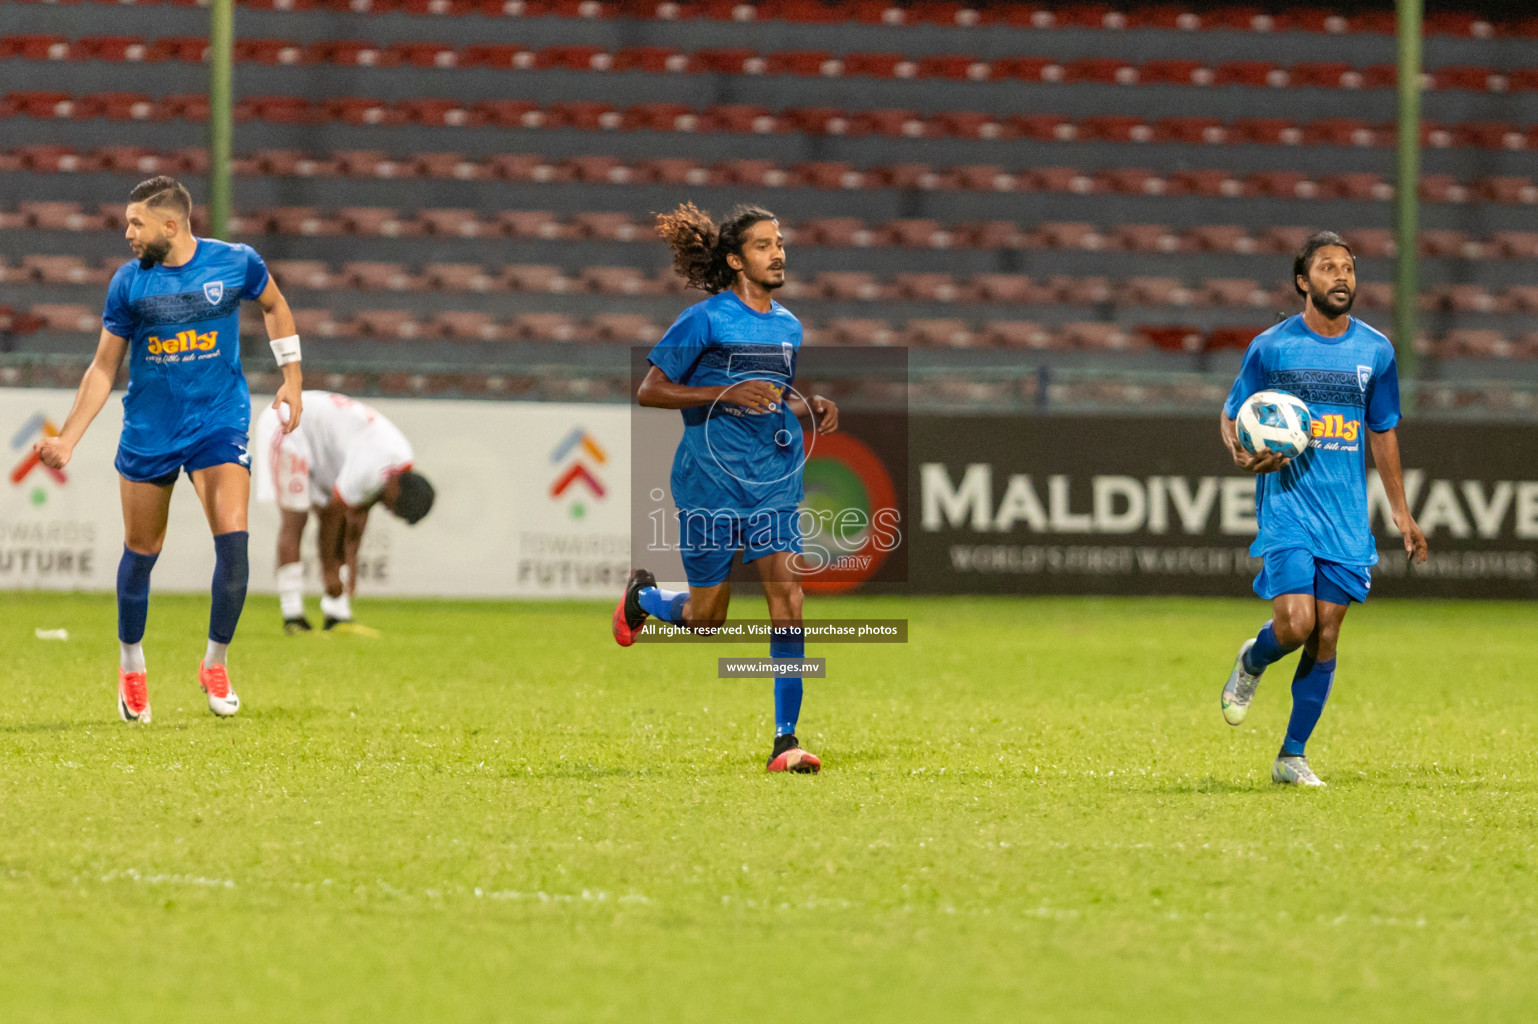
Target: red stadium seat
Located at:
point(651, 59)
point(1507, 189)
point(850, 284)
point(673, 171)
point(1173, 338)
point(1371, 243)
point(1071, 235)
point(532, 224)
point(1254, 73)
point(624, 328)
point(612, 227)
point(304, 220)
point(460, 277)
point(1097, 335)
point(1222, 238)
point(1233, 292)
point(1080, 291)
point(920, 233)
point(272, 51)
point(1154, 291)
point(67, 317)
point(838, 232)
point(311, 274)
point(377, 220)
point(930, 287)
point(1018, 334)
point(1175, 72)
point(64, 270)
point(1515, 245)
point(374, 276)
point(617, 281)
point(466, 326)
point(388, 325)
point(861, 331)
point(1145, 238)
point(1442, 188)
point(319, 323)
point(1014, 289)
point(61, 216)
point(526, 277)
point(544, 327)
point(936, 333)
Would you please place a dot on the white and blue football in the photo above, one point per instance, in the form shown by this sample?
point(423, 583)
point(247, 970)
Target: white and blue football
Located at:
point(1274, 421)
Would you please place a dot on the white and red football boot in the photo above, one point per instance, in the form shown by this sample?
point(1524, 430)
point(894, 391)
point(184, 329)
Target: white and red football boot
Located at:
point(215, 680)
point(789, 757)
point(133, 696)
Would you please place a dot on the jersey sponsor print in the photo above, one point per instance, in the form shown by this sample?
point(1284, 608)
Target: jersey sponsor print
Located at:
point(1318, 501)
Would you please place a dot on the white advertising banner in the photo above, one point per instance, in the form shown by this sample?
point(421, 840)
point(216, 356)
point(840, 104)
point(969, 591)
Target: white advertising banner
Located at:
point(533, 500)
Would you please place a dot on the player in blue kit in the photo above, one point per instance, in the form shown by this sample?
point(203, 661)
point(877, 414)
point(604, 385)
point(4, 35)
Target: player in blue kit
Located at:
point(729, 363)
point(175, 309)
point(1314, 534)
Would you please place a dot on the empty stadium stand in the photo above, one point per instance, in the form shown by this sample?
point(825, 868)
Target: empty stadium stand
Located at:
point(451, 189)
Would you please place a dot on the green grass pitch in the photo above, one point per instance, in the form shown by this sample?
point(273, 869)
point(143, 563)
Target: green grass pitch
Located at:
point(1032, 812)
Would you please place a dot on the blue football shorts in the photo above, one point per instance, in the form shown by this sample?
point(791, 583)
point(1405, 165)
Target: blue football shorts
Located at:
point(1297, 571)
point(709, 541)
point(215, 448)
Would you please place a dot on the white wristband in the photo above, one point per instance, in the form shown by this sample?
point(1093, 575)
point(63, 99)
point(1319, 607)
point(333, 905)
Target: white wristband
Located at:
point(286, 349)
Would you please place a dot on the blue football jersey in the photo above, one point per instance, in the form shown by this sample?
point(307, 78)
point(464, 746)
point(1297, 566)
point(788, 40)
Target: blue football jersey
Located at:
point(730, 459)
point(1350, 384)
point(183, 330)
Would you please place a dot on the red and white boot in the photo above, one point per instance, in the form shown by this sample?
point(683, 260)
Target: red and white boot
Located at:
point(215, 680)
point(133, 696)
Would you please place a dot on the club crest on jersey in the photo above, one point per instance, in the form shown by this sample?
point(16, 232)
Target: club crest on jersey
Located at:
point(213, 291)
point(1363, 376)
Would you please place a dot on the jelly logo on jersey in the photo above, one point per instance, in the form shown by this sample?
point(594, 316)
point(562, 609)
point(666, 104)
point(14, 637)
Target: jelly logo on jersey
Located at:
point(213, 291)
point(574, 446)
point(1363, 376)
point(183, 341)
point(1335, 427)
point(38, 424)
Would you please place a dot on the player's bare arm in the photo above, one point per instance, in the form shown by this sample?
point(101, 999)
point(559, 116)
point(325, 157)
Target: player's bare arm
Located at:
point(279, 320)
point(658, 392)
point(1267, 462)
point(1385, 456)
point(353, 522)
point(92, 394)
point(821, 411)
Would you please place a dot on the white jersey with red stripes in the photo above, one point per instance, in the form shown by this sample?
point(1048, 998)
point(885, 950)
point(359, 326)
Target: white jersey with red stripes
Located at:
point(343, 449)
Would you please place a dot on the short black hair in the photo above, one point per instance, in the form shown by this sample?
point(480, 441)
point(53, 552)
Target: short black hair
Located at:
point(163, 191)
point(1303, 262)
point(415, 498)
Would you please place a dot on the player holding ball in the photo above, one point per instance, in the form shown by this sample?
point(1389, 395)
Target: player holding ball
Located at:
point(1314, 532)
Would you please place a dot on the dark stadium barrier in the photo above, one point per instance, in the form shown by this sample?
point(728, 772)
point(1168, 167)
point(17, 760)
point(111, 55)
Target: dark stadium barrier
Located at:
point(1131, 505)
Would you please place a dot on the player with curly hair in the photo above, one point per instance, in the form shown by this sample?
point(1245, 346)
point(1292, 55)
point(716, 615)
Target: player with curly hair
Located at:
point(728, 364)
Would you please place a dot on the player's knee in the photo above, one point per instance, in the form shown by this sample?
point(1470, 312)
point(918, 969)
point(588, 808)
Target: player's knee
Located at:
point(1328, 635)
point(1293, 626)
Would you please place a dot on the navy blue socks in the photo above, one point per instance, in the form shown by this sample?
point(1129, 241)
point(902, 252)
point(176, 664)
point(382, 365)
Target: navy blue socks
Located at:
point(667, 605)
point(133, 595)
point(786, 643)
point(1266, 650)
point(231, 572)
point(1310, 689)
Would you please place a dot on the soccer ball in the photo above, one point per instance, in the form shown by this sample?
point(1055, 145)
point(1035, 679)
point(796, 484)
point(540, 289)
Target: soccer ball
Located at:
point(1276, 421)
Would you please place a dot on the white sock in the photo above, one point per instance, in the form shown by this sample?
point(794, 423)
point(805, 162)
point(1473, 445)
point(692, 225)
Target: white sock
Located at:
point(131, 657)
point(291, 590)
point(217, 653)
point(337, 607)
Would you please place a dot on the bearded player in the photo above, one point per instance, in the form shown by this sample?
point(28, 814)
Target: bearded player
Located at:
point(728, 364)
point(1314, 533)
point(175, 310)
point(346, 459)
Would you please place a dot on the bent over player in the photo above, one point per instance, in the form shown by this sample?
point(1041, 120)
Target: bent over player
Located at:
point(344, 460)
point(727, 363)
point(1314, 533)
point(175, 309)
